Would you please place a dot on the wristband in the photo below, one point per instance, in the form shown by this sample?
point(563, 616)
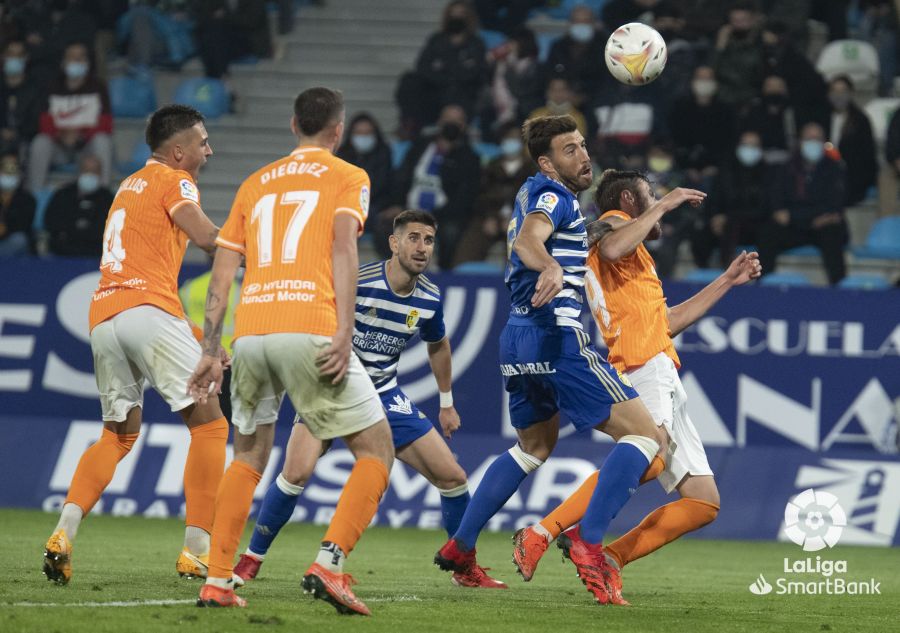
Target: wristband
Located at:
point(446, 399)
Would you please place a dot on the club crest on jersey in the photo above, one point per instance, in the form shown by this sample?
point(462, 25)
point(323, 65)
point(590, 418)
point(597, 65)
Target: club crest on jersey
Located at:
point(364, 200)
point(547, 201)
point(189, 190)
point(625, 380)
point(412, 318)
point(372, 312)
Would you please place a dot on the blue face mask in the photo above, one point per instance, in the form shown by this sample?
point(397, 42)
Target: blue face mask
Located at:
point(812, 150)
point(511, 147)
point(9, 182)
point(14, 66)
point(88, 183)
point(582, 33)
point(76, 70)
point(363, 143)
point(749, 155)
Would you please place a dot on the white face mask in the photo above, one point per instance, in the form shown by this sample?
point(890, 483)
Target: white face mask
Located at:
point(812, 150)
point(704, 87)
point(511, 147)
point(581, 33)
point(76, 70)
point(363, 143)
point(88, 183)
point(14, 66)
point(9, 182)
point(749, 155)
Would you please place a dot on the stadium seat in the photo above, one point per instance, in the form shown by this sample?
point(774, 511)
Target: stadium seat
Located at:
point(880, 112)
point(209, 96)
point(864, 281)
point(803, 251)
point(398, 152)
point(139, 155)
point(132, 96)
point(492, 39)
point(855, 58)
point(702, 275)
point(545, 43)
point(479, 268)
point(785, 279)
point(883, 241)
point(486, 151)
point(42, 199)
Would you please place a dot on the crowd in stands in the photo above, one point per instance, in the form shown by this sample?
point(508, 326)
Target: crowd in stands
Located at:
point(741, 112)
point(55, 108)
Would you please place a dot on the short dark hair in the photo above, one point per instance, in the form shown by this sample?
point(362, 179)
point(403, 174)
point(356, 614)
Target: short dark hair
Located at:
point(414, 215)
point(168, 121)
point(612, 183)
point(317, 108)
point(539, 132)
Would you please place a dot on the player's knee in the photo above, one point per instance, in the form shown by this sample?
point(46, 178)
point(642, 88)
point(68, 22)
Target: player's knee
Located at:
point(295, 476)
point(453, 480)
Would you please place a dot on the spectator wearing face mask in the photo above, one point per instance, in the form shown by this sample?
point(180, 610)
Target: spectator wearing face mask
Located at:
point(577, 56)
point(77, 212)
point(517, 84)
point(702, 127)
point(365, 147)
point(738, 55)
point(772, 115)
point(560, 101)
point(807, 195)
point(851, 132)
point(676, 225)
point(16, 209)
point(440, 174)
point(501, 180)
point(451, 69)
point(739, 205)
point(20, 99)
point(76, 120)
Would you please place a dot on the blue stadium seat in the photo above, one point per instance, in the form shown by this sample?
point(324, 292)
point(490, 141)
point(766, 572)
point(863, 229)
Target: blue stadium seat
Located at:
point(786, 279)
point(139, 155)
point(545, 42)
point(479, 268)
point(132, 96)
point(883, 241)
point(864, 281)
point(803, 251)
point(702, 275)
point(398, 152)
point(209, 96)
point(486, 151)
point(492, 39)
point(42, 199)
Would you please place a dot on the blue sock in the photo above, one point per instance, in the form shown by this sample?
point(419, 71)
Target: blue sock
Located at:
point(500, 482)
point(618, 480)
point(276, 510)
point(452, 509)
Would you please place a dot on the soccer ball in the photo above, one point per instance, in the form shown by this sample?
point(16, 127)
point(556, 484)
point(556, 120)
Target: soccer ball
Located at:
point(636, 54)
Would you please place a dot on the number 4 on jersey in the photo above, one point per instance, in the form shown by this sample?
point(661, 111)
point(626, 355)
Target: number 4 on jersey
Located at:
point(113, 251)
point(264, 212)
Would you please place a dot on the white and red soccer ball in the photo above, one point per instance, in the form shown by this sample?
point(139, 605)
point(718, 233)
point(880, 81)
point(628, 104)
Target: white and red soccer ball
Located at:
point(636, 54)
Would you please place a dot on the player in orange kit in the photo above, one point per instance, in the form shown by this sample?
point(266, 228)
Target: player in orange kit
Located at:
point(295, 222)
point(139, 332)
point(628, 304)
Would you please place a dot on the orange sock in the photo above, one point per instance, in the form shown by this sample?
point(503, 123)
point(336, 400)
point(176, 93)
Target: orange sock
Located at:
point(233, 501)
point(203, 471)
point(570, 511)
point(663, 525)
point(367, 482)
point(96, 468)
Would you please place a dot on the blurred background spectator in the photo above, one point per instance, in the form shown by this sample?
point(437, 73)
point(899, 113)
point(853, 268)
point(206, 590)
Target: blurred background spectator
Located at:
point(574, 56)
point(364, 146)
point(772, 115)
point(560, 101)
point(157, 32)
point(517, 85)
point(851, 132)
point(677, 225)
point(889, 175)
point(16, 209)
point(76, 214)
point(20, 99)
point(738, 56)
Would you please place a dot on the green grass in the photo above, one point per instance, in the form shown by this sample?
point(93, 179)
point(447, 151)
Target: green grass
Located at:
point(691, 585)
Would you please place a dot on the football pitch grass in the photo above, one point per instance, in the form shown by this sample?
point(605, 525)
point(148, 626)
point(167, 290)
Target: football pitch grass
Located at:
point(692, 586)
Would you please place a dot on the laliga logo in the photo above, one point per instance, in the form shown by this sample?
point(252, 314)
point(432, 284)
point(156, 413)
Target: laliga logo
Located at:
point(814, 520)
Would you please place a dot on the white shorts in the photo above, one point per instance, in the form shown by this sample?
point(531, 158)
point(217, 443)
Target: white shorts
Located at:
point(267, 366)
point(141, 343)
point(661, 391)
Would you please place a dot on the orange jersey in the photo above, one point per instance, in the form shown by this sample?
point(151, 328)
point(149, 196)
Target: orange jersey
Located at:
point(282, 221)
point(627, 301)
point(142, 246)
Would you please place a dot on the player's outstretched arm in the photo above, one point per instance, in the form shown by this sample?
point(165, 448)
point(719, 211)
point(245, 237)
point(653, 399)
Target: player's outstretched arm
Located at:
point(743, 269)
point(209, 369)
point(335, 359)
point(200, 230)
point(529, 246)
point(441, 366)
point(627, 235)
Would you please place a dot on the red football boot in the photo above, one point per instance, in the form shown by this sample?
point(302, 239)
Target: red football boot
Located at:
point(528, 547)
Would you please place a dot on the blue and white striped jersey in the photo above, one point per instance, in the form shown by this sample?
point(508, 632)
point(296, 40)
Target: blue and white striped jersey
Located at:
point(567, 245)
point(386, 321)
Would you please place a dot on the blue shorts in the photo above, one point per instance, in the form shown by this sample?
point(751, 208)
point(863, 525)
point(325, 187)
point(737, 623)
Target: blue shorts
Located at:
point(552, 368)
point(407, 423)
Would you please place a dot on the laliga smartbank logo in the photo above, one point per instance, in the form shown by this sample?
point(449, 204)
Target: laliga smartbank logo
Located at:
point(814, 520)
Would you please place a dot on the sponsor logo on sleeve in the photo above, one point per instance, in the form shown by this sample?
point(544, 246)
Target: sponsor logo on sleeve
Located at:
point(189, 190)
point(547, 202)
point(364, 200)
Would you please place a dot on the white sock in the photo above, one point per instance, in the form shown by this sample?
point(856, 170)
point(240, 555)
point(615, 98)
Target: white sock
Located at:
point(69, 520)
point(221, 583)
point(331, 557)
point(287, 487)
point(252, 554)
point(196, 540)
point(540, 529)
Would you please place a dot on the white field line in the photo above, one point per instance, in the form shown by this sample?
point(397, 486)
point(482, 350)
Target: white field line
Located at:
point(134, 603)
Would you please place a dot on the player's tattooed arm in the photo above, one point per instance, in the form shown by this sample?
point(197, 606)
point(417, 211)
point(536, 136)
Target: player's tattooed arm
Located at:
point(224, 268)
point(596, 230)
